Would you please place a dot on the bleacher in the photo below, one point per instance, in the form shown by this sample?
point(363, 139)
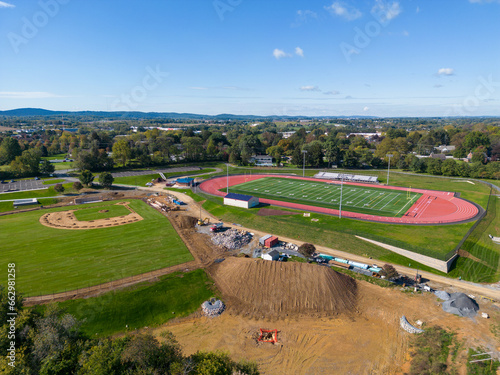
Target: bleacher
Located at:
point(347, 177)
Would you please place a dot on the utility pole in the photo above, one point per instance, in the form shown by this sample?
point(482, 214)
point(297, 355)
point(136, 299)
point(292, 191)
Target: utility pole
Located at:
point(304, 163)
point(341, 188)
point(389, 167)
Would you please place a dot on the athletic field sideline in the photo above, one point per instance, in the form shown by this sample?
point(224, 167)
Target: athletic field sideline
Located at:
point(367, 200)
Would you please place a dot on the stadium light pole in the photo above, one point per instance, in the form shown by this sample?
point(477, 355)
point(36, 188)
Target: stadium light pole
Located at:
point(341, 188)
point(304, 163)
point(389, 167)
point(227, 178)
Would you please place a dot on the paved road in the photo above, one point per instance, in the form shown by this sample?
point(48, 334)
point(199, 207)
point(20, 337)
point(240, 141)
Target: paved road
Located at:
point(476, 289)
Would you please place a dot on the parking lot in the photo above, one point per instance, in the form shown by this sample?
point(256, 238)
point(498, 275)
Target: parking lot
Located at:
point(21, 185)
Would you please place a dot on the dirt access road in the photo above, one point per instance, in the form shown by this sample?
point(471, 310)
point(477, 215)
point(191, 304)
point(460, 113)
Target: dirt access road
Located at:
point(464, 286)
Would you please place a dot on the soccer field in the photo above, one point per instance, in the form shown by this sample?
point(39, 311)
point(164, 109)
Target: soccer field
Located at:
point(366, 200)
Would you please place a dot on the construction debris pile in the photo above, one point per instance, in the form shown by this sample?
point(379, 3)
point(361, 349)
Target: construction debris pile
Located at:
point(213, 308)
point(290, 246)
point(460, 304)
point(232, 239)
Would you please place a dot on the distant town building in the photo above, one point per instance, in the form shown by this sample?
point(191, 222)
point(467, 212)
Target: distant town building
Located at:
point(368, 136)
point(262, 160)
point(287, 134)
point(444, 149)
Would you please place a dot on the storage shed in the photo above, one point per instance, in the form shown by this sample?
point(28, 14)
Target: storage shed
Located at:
point(240, 200)
point(271, 241)
point(271, 255)
point(187, 181)
point(25, 202)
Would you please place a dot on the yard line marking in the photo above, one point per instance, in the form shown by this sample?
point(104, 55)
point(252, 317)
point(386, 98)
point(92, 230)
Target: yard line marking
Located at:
point(397, 195)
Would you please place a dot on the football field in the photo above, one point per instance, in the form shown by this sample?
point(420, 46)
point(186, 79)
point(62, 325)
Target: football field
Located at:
point(361, 199)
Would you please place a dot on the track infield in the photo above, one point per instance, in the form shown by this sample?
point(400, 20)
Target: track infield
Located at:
point(386, 204)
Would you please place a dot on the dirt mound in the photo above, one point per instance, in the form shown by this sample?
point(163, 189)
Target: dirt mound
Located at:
point(187, 221)
point(265, 288)
point(271, 212)
point(103, 211)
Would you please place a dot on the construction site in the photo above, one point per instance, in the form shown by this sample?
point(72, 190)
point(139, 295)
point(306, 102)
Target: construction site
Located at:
point(300, 318)
point(316, 320)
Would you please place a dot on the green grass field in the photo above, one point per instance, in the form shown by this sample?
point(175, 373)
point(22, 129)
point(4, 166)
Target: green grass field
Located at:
point(50, 260)
point(53, 181)
point(366, 200)
point(92, 213)
point(143, 179)
point(173, 296)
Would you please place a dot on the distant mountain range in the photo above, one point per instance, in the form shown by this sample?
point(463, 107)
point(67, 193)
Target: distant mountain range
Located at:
point(33, 112)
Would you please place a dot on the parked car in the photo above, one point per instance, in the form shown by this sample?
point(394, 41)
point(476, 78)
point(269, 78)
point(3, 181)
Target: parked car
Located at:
point(37, 178)
point(149, 184)
point(12, 181)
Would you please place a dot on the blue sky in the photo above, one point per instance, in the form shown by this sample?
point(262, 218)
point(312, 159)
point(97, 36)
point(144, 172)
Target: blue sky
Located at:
point(261, 57)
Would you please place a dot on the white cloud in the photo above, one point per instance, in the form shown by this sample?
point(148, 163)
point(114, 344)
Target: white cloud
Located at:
point(334, 92)
point(341, 9)
point(299, 51)
point(27, 95)
point(309, 88)
point(278, 54)
point(366, 109)
point(3, 4)
point(303, 16)
point(386, 11)
point(446, 72)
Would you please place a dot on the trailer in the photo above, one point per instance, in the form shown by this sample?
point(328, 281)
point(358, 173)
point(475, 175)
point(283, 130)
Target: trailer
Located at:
point(262, 240)
point(358, 265)
point(271, 241)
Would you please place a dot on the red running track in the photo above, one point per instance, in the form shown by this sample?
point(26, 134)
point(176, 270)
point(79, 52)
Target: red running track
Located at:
point(433, 207)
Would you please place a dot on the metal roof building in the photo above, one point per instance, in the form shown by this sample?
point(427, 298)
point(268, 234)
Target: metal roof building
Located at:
point(240, 200)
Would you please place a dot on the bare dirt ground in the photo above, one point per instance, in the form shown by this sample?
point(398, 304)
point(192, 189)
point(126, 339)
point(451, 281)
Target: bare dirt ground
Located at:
point(368, 341)
point(67, 220)
point(257, 288)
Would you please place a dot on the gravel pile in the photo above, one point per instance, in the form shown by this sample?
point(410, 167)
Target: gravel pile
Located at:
point(441, 294)
point(213, 308)
point(460, 304)
point(232, 239)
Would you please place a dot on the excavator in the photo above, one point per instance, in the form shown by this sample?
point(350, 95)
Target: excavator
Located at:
point(205, 221)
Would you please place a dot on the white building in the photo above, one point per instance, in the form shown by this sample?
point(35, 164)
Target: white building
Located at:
point(287, 134)
point(240, 200)
point(271, 255)
point(262, 160)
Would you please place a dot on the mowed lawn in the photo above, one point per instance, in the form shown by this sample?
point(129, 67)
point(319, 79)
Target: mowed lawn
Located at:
point(50, 260)
point(366, 200)
point(173, 296)
point(92, 213)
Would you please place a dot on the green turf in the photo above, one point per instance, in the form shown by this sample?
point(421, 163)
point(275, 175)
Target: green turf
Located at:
point(480, 246)
point(143, 179)
point(366, 200)
point(176, 295)
point(53, 260)
point(53, 181)
point(93, 213)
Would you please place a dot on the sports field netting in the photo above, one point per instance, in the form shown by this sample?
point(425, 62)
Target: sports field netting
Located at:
point(367, 200)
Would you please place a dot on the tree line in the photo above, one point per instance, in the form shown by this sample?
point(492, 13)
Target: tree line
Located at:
point(326, 144)
point(52, 342)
